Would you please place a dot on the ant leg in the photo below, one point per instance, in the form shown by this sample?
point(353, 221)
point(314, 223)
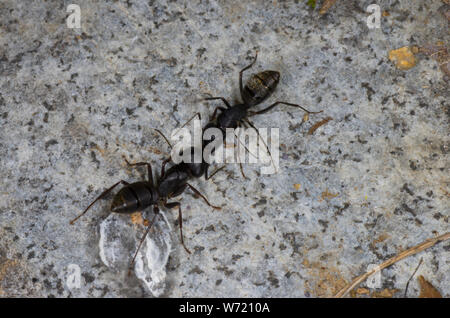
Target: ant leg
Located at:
point(241, 88)
point(163, 167)
point(196, 115)
point(239, 156)
point(156, 210)
point(98, 198)
point(180, 220)
point(215, 113)
point(221, 98)
point(242, 171)
point(240, 166)
point(259, 136)
point(212, 175)
point(167, 140)
point(149, 168)
point(246, 149)
point(203, 197)
point(276, 103)
point(241, 143)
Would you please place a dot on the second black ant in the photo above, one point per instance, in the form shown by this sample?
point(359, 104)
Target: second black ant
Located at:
point(257, 89)
point(140, 195)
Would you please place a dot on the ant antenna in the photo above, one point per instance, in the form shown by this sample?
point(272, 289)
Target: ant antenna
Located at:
point(98, 198)
point(142, 241)
point(167, 140)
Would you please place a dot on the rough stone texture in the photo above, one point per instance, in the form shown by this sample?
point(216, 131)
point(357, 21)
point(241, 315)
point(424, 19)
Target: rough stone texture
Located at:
point(373, 181)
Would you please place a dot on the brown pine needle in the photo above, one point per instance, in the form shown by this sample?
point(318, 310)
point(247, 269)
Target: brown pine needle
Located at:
point(318, 124)
point(411, 251)
point(326, 5)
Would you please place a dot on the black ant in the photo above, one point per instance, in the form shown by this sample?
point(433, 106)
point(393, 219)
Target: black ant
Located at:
point(139, 195)
point(196, 169)
point(258, 88)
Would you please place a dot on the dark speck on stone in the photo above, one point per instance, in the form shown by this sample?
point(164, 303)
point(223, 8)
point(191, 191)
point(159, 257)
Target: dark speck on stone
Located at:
point(273, 280)
point(50, 143)
point(88, 277)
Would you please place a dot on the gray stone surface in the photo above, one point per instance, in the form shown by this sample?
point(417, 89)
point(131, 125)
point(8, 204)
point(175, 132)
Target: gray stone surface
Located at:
point(73, 102)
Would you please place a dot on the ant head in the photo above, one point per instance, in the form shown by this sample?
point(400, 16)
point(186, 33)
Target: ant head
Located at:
point(195, 167)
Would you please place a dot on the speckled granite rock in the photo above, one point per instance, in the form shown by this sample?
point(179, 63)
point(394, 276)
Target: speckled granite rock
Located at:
point(370, 183)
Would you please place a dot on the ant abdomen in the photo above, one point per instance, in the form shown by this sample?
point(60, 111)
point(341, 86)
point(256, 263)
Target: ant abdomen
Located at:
point(134, 197)
point(260, 86)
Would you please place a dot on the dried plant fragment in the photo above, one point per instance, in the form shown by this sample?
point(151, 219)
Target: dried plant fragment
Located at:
point(326, 6)
point(440, 54)
point(328, 195)
point(4, 268)
point(385, 293)
point(380, 239)
point(411, 251)
point(305, 117)
point(362, 291)
point(318, 124)
point(445, 10)
point(312, 3)
point(427, 290)
point(136, 218)
point(403, 58)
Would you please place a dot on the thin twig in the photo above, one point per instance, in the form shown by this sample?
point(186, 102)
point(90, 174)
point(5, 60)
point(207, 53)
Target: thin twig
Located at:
point(407, 283)
point(411, 251)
